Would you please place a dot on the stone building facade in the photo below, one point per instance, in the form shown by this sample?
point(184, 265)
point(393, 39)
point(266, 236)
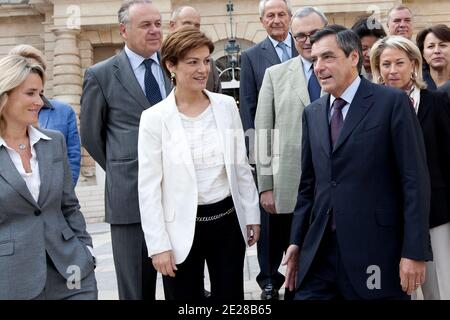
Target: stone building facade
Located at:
point(74, 34)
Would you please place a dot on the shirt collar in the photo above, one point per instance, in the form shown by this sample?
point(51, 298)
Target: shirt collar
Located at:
point(34, 134)
point(287, 41)
point(349, 93)
point(136, 60)
point(306, 65)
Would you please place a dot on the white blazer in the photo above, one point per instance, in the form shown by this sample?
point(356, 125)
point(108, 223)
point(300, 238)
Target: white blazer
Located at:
point(167, 180)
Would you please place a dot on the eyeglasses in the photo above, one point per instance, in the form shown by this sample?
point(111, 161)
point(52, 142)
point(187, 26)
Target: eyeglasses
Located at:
point(301, 37)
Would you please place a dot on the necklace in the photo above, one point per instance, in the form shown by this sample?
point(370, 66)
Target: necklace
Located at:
point(22, 146)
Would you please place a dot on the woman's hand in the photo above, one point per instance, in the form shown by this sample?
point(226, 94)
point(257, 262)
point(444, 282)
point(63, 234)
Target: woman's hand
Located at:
point(253, 231)
point(164, 263)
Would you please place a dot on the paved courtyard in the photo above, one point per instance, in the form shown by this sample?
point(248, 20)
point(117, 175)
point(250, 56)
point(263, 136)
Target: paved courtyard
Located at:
point(106, 277)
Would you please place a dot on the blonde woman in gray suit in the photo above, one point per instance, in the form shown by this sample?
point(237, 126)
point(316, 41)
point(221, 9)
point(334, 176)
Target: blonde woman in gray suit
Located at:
point(45, 251)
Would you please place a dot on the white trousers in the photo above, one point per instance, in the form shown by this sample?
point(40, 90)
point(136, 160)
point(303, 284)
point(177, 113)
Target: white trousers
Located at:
point(437, 277)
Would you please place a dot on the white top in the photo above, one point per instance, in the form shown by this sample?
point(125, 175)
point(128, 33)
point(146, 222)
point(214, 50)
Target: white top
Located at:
point(32, 179)
point(138, 67)
point(207, 156)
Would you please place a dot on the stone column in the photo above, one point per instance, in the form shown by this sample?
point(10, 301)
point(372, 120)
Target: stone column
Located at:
point(67, 81)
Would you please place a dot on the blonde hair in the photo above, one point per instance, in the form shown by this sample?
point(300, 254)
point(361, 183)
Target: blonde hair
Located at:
point(400, 43)
point(30, 52)
point(14, 70)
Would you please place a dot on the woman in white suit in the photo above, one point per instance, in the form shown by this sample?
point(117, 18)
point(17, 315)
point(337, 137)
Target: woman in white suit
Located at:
point(197, 197)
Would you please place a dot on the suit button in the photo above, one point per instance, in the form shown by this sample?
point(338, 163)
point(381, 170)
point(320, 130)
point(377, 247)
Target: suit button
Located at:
point(37, 213)
point(333, 183)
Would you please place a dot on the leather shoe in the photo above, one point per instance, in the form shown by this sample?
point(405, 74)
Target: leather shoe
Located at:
point(206, 294)
point(269, 293)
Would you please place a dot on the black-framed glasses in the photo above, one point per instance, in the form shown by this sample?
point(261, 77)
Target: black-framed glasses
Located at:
point(301, 37)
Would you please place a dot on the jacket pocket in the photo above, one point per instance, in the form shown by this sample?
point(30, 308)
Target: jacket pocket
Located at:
point(6, 248)
point(68, 234)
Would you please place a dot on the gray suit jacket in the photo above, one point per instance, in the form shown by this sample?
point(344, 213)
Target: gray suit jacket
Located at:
point(28, 229)
point(213, 84)
point(111, 107)
point(278, 123)
point(254, 62)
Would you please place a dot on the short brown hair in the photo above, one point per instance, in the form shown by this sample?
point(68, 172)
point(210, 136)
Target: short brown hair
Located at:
point(177, 45)
point(441, 31)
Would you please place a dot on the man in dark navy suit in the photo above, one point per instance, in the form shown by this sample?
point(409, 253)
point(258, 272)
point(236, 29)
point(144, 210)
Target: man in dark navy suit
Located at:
point(277, 47)
point(360, 226)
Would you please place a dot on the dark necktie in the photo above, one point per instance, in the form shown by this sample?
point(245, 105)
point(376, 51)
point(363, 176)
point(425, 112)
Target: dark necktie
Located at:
point(151, 85)
point(313, 87)
point(337, 120)
point(285, 55)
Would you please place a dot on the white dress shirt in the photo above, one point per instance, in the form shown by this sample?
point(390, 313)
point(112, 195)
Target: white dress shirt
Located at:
point(347, 95)
point(138, 67)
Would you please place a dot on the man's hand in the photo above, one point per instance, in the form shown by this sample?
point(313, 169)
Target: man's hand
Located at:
point(267, 201)
point(253, 231)
point(164, 262)
point(412, 274)
point(291, 260)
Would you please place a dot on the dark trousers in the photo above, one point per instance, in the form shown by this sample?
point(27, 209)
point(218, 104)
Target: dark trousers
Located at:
point(273, 242)
point(221, 245)
point(327, 278)
point(136, 277)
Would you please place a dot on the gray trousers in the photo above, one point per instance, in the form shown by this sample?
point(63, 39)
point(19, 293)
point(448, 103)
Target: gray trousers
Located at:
point(136, 277)
point(58, 288)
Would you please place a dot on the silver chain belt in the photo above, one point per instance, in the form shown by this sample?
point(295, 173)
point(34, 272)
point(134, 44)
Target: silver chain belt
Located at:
point(215, 217)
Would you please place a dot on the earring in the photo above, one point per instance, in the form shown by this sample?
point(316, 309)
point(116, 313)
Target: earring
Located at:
point(172, 78)
point(380, 80)
point(413, 76)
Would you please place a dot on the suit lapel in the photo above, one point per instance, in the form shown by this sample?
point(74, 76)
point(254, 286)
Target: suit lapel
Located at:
point(424, 104)
point(9, 172)
point(321, 110)
point(178, 137)
point(44, 155)
point(126, 77)
point(360, 105)
point(297, 80)
point(269, 52)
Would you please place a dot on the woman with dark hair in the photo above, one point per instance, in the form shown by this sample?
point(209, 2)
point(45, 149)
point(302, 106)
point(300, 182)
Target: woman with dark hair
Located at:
point(434, 44)
point(197, 197)
point(369, 31)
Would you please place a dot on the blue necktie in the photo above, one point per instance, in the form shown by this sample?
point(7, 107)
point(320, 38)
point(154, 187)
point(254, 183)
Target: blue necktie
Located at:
point(313, 87)
point(151, 85)
point(284, 55)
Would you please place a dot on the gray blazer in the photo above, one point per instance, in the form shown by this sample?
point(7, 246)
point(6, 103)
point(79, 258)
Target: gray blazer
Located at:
point(282, 99)
point(213, 84)
point(111, 107)
point(254, 62)
point(28, 229)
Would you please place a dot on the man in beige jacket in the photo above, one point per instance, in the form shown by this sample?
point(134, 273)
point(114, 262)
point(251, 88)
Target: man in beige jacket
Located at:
point(286, 89)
